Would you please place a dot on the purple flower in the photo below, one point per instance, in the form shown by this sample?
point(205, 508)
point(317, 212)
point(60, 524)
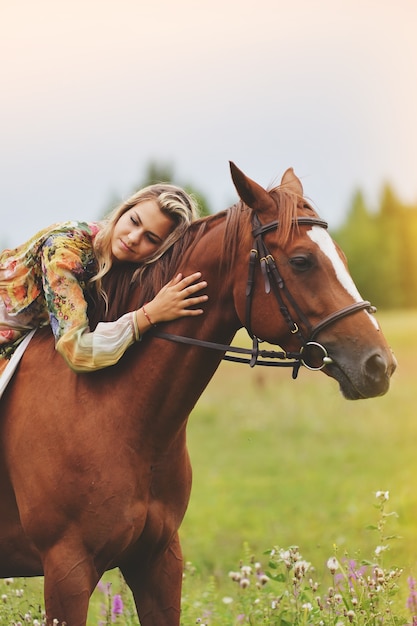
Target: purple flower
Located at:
point(412, 599)
point(117, 607)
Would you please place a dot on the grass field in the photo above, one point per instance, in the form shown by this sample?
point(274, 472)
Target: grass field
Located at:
point(283, 462)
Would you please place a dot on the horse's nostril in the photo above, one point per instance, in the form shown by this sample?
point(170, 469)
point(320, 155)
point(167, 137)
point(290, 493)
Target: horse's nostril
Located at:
point(376, 367)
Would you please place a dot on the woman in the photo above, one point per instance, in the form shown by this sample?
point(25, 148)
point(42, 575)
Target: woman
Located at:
point(51, 279)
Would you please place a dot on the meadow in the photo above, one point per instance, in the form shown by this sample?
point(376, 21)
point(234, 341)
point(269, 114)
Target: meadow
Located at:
point(280, 463)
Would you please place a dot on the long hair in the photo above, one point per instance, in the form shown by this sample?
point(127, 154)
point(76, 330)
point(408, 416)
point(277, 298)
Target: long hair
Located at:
point(181, 207)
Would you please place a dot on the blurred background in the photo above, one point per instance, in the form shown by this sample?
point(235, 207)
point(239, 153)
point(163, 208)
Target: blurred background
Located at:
point(100, 97)
point(98, 94)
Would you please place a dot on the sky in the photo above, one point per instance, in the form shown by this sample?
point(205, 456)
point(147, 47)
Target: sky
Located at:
point(92, 91)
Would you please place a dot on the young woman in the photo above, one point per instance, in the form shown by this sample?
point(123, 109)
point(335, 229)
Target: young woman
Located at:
point(51, 278)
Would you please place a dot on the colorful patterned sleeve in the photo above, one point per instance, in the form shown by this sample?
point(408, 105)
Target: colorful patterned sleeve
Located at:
point(63, 263)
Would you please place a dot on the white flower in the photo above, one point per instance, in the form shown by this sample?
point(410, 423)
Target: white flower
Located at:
point(380, 549)
point(227, 600)
point(307, 606)
point(300, 568)
point(333, 564)
point(382, 495)
point(285, 556)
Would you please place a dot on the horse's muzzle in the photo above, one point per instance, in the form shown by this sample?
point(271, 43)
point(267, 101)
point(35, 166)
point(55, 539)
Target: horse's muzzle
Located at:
point(368, 377)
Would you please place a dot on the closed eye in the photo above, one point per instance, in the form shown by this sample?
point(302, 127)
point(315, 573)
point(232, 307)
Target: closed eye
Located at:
point(301, 263)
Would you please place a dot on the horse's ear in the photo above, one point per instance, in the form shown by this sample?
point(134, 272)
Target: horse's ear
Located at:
point(292, 182)
point(252, 194)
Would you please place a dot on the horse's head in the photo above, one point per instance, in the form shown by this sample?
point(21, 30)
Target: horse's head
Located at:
point(299, 293)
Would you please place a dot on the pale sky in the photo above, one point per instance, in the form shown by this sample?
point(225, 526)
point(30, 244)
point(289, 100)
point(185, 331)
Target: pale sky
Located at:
point(92, 90)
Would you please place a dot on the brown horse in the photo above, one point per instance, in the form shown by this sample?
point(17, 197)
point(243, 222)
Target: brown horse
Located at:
point(94, 469)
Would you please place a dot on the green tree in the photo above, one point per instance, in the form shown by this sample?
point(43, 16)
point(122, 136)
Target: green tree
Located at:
point(162, 172)
point(381, 248)
point(158, 172)
point(358, 238)
point(390, 248)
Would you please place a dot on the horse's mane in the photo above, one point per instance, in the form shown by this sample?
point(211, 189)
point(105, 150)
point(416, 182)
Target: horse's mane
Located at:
point(122, 280)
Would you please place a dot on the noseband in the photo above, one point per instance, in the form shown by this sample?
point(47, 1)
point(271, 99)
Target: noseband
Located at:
point(312, 355)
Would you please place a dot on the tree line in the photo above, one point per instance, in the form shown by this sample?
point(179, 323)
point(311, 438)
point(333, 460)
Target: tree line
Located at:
point(381, 247)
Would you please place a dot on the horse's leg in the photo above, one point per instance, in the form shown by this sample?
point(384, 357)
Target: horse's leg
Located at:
point(157, 588)
point(70, 578)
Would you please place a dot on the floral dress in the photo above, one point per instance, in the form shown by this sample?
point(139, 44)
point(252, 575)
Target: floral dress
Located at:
point(43, 282)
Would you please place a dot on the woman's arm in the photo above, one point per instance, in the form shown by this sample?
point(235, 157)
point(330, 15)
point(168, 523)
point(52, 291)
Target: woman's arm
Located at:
point(86, 350)
point(63, 260)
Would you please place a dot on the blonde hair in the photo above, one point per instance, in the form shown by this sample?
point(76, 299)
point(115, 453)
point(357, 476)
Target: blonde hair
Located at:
point(181, 207)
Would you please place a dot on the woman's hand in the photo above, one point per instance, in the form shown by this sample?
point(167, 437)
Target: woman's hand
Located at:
point(173, 301)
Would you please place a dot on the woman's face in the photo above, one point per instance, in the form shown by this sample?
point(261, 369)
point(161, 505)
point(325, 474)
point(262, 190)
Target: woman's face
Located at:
point(139, 232)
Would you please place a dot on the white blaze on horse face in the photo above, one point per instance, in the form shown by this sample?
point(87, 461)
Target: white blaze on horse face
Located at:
point(321, 237)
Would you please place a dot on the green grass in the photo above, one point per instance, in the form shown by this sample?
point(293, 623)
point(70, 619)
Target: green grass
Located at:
point(283, 462)
point(277, 460)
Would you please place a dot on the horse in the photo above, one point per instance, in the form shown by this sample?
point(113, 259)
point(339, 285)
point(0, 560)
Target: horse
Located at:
point(94, 468)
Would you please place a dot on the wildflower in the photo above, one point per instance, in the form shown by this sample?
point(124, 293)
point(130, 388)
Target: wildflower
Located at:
point(8, 581)
point(412, 599)
point(285, 557)
point(379, 575)
point(300, 568)
point(4, 597)
point(117, 607)
point(380, 549)
point(244, 583)
point(307, 606)
point(246, 570)
point(382, 495)
point(227, 600)
point(350, 615)
point(333, 564)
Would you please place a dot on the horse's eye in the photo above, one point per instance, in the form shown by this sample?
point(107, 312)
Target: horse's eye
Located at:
point(300, 263)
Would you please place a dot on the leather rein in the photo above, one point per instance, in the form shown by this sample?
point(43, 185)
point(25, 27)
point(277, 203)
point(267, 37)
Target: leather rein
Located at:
point(310, 349)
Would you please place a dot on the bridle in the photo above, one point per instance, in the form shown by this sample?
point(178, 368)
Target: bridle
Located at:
point(312, 354)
